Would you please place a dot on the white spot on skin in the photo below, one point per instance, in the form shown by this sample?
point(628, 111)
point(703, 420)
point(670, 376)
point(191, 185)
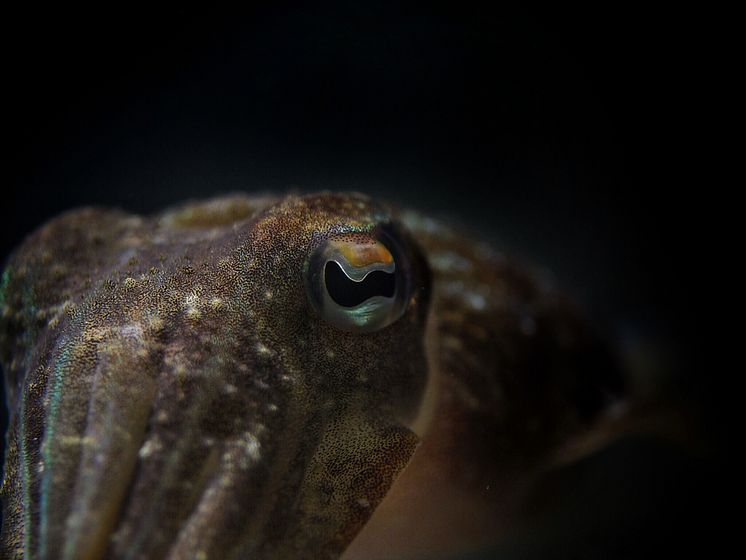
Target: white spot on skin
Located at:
point(155, 323)
point(263, 350)
point(448, 261)
point(251, 449)
point(132, 330)
point(261, 384)
point(191, 306)
point(475, 297)
point(476, 301)
point(417, 222)
point(151, 446)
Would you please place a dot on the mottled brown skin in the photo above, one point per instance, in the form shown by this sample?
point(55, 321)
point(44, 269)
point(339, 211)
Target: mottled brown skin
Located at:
point(173, 393)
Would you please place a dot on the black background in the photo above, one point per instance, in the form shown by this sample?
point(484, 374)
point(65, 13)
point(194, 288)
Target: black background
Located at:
point(555, 134)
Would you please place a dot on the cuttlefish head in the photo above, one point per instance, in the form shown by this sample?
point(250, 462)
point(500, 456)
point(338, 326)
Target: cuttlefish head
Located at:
point(251, 393)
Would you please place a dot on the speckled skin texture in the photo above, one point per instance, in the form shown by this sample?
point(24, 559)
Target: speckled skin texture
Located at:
point(173, 393)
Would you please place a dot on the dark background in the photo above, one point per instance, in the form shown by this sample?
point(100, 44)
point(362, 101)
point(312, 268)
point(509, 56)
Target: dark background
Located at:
point(554, 134)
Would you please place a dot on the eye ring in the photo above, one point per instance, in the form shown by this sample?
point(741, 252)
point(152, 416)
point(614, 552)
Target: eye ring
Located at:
point(359, 282)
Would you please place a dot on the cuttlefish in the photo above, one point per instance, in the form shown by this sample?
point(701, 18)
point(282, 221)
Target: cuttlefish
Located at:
point(279, 377)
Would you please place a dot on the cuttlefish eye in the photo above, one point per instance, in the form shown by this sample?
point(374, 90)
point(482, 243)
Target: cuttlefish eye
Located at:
point(359, 282)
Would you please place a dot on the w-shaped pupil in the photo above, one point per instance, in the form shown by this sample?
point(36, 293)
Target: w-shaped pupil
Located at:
point(348, 293)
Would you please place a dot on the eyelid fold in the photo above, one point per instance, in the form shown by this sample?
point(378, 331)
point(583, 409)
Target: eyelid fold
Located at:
point(358, 259)
point(362, 254)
